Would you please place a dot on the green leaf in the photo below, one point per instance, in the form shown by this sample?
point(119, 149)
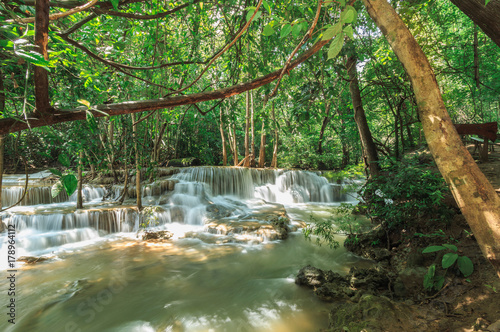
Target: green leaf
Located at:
point(451, 247)
point(332, 31)
point(84, 102)
point(486, 2)
point(433, 249)
point(342, 3)
point(70, 183)
point(250, 13)
point(56, 189)
point(349, 31)
point(439, 282)
point(296, 29)
point(465, 265)
point(268, 30)
point(55, 171)
point(348, 14)
point(6, 44)
point(336, 46)
point(266, 6)
point(449, 259)
point(92, 123)
point(64, 160)
point(33, 57)
point(285, 31)
point(115, 4)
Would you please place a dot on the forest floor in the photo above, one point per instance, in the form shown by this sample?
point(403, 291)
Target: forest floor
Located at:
point(401, 303)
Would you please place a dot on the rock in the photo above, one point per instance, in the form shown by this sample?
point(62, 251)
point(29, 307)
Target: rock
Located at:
point(3, 228)
point(310, 276)
point(156, 235)
point(369, 245)
point(495, 327)
point(409, 282)
point(368, 279)
point(31, 259)
point(217, 211)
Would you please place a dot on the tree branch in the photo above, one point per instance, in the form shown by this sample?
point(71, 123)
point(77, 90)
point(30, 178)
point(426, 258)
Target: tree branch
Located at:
point(144, 16)
point(9, 125)
point(56, 16)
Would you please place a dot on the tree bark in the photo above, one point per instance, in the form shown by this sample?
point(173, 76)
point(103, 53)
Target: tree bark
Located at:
point(137, 164)
point(369, 148)
point(326, 120)
point(262, 152)
point(473, 193)
point(252, 131)
point(247, 129)
point(486, 17)
point(79, 195)
point(274, 161)
point(223, 138)
point(41, 39)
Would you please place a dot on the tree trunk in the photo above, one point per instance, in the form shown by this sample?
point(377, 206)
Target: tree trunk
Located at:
point(247, 129)
point(473, 193)
point(2, 143)
point(137, 165)
point(262, 152)
point(233, 144)
point(42, 103)
point(223, 138)
point(486, 17)
point(369, 149)
point(79, 195)
point(326, 119)
point(274, 161)
point(252, 131)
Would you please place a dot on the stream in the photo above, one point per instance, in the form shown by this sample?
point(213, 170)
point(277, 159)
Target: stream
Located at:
point(223, 270)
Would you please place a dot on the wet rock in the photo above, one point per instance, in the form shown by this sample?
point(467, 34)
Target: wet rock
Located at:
point(495, 327)
point(369, 245)
point(32, 259)
point(328, 286)
point(3, 227)
point(157, 235)
point(310, 276)
point(369, 279)
point(217, 211)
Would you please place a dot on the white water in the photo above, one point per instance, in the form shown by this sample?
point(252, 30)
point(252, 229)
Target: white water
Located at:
point(199, 281)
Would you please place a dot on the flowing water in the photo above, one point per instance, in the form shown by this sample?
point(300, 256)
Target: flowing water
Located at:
point(100, 277)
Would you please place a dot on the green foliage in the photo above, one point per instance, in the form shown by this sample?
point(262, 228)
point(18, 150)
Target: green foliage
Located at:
point(342, 221)
point(407, 191)
point(66, 181)
point(435, 281)
point(149, 217)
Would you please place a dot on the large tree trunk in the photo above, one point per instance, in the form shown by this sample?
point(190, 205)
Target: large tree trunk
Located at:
point(41, 39)
point(262, 152)
point(274, 161)
point(252, 131)
point(247, 130)
point(473, 193)
point(137, 165)
point(369, 150)
point(79, 194)
point(223, 138)
point(486, 17)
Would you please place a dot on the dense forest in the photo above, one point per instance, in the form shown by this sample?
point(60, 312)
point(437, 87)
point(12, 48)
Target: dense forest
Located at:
point(124, 87)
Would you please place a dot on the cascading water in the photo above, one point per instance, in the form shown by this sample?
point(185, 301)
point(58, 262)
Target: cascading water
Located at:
point(180, 280)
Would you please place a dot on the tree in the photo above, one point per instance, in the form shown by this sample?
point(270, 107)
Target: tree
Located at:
point(473, 193)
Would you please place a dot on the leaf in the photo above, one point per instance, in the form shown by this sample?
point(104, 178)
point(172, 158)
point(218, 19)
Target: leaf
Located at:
point(64, 160)
point(250, 13)
point(486, 2)
point(268, 30)
point(451, 247)
point(70, 183)
point(296, 29)
point(336, 46)
point(92, 123)
point(285, 31)
point(266, 6)
point(342, 3)
point(349, 31)
point(439, 282)
point(6, 44)
point(33, 57)
point(115, 4)
point(433, 249)
point(55, 171)
point(84, 102)
point(465, 265)
point(348, 14)
point(449, 259)
point(332, 31)
point(56, 189)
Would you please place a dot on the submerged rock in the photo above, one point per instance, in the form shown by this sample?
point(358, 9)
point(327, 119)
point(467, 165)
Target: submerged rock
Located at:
point(32, 259)
point(157, 235)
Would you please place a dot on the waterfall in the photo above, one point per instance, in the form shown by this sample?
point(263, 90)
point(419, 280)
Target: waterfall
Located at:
point(190, 197)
